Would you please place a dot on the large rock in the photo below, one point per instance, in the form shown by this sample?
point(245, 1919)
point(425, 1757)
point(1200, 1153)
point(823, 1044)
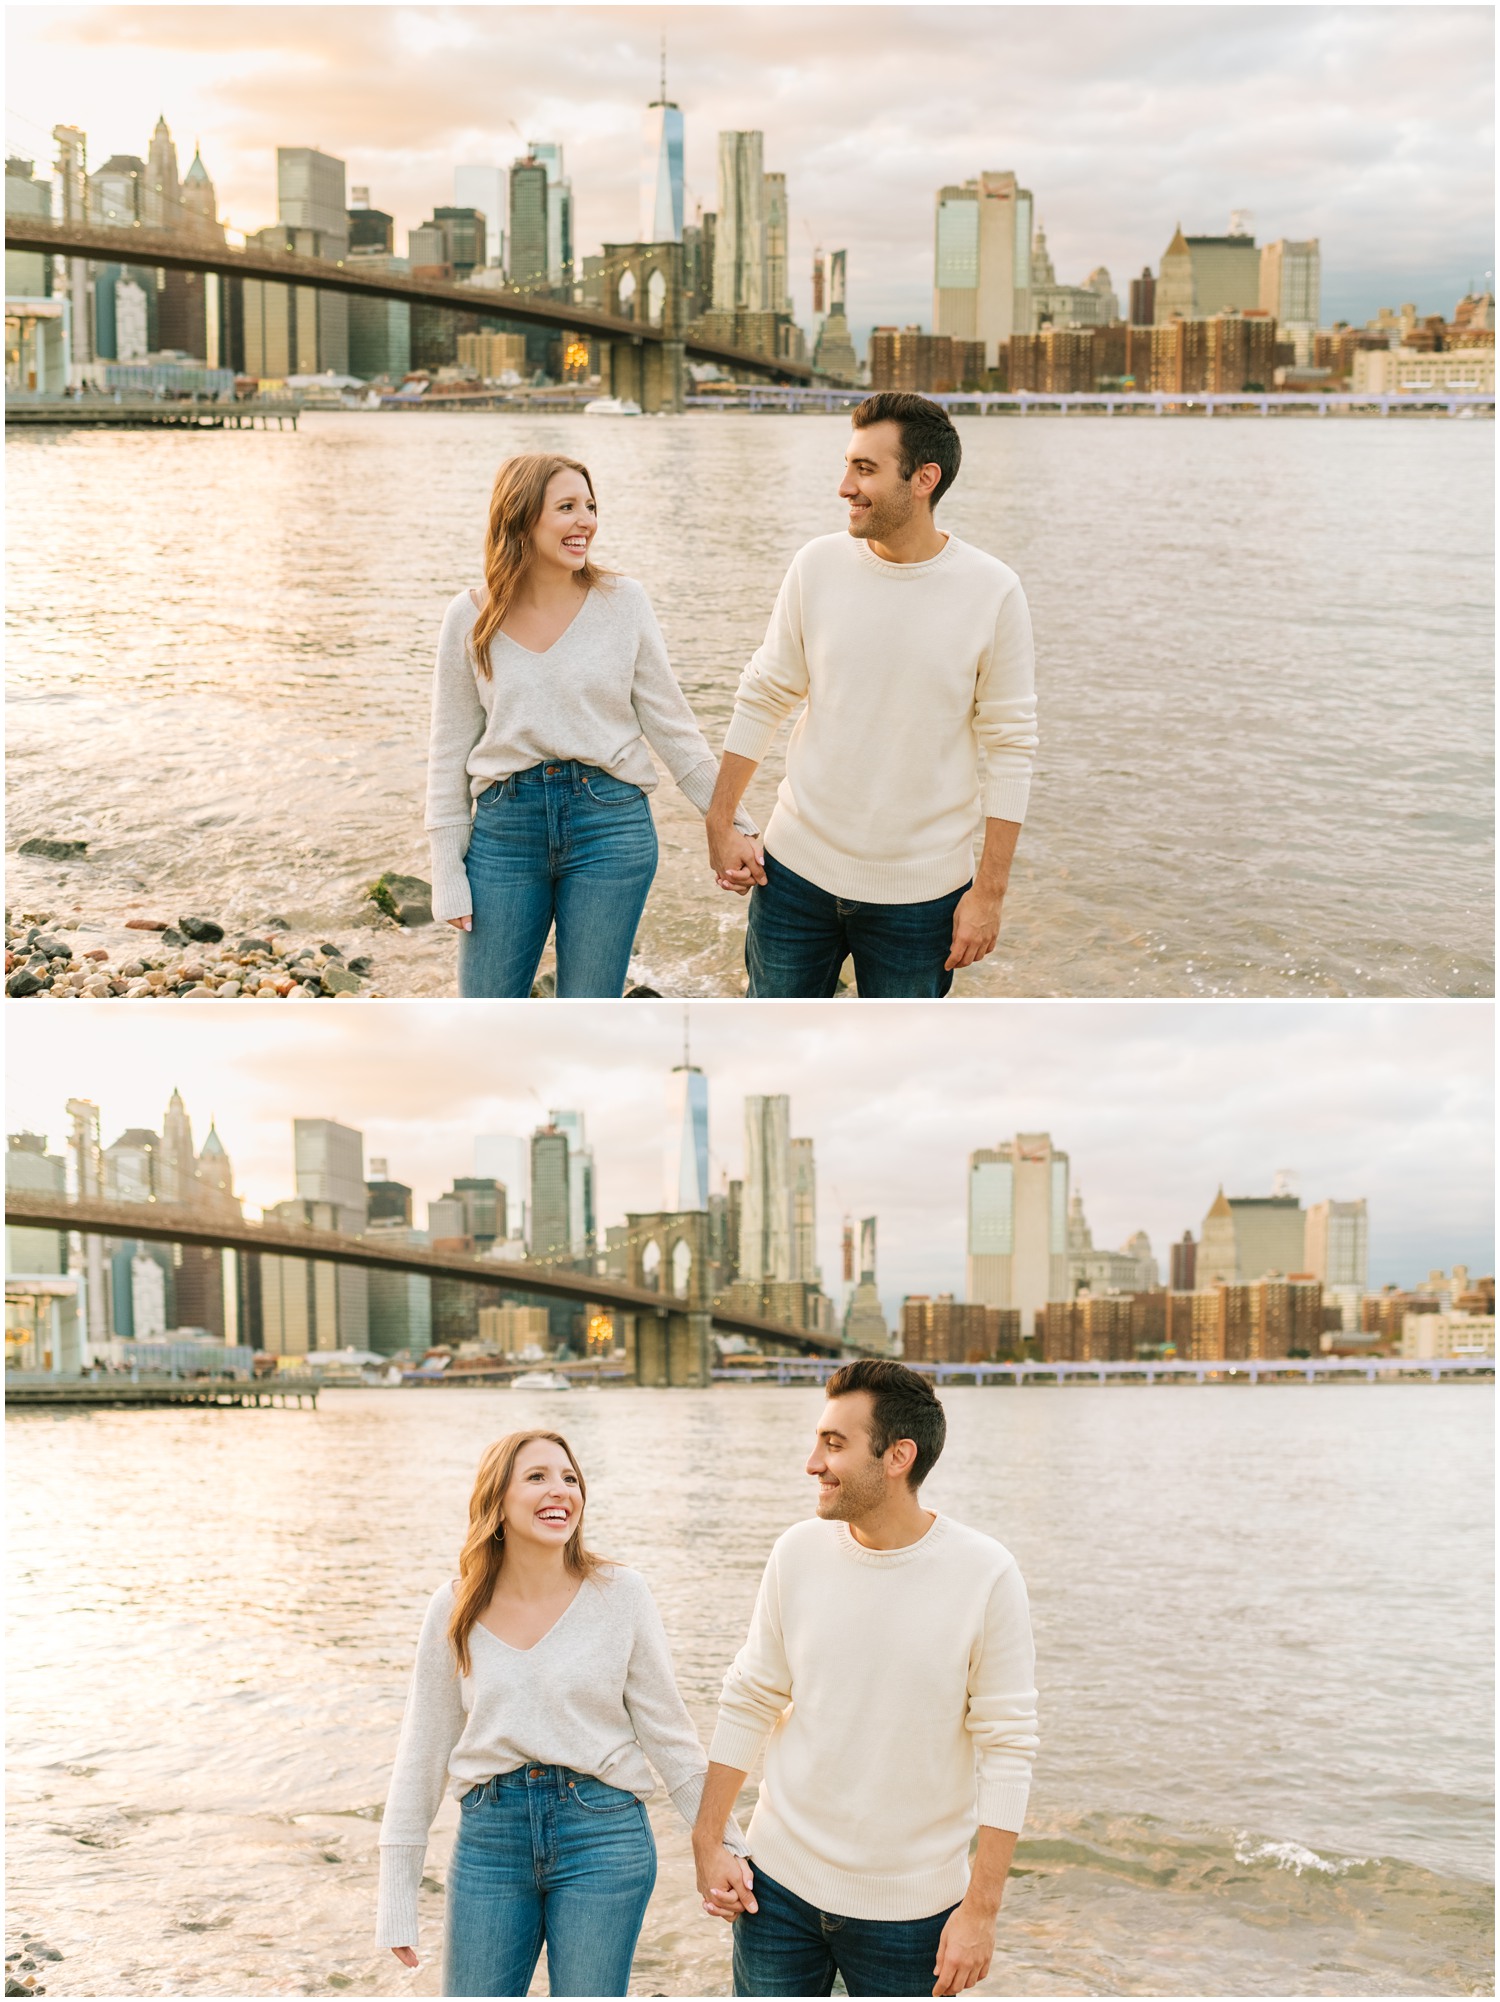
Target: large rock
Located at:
point(21, 983)
point(202, 931)
point(54, 851)
point(336, 980)
point(407, 899)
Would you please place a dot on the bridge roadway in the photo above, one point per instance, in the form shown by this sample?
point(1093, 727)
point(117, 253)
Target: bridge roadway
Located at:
point(167, 1224)
point(165, 250)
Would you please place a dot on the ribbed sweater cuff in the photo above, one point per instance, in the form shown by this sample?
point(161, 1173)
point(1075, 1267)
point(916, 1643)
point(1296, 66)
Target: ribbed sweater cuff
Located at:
point(400, 1881)
point(697, 787)
point(737, 1746)
point(1005, 796)
point(450, 882)
point(688, 1798)
point(749, 736)
point(1002, 1804)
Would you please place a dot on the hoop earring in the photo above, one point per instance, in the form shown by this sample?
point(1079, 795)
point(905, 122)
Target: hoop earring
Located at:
point(499, 1536)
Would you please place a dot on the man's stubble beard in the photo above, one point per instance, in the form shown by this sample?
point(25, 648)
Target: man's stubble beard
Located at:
point(885, 517)
point(852, 1500)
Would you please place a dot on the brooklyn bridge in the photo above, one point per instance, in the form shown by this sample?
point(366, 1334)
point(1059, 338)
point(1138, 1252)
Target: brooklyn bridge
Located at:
point(642, 339)
point(663, 1307)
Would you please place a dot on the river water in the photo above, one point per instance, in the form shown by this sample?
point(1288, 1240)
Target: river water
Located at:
point(1265, 657)
point(1264, 1624)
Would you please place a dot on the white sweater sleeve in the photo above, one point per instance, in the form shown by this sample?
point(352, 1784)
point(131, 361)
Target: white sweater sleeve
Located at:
point(431, 1726)
point(1005, 710)
point(758, 1686)
point(457, 725)
point(775, 680)
point(667, 720)
point(1001, 1717)
point(663, 1729)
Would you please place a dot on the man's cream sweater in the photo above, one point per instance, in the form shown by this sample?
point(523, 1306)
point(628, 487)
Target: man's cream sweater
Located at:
point(899, 1691)
point(910, 672)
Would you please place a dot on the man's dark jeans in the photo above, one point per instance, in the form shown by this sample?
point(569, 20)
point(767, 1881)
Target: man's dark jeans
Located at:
point(789, 1947)
point(799, 937)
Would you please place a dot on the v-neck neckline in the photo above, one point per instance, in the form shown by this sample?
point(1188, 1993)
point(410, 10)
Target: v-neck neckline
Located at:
point(540, 1637)
point(531, 653)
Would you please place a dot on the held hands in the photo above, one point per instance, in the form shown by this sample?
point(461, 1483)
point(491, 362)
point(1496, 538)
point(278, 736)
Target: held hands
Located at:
point(976, 927)
point(725, 1882)
point(965, 1950)
point(737, 860)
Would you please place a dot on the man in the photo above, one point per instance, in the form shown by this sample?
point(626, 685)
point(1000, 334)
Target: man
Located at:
point(912, 653)
point(890, 1661)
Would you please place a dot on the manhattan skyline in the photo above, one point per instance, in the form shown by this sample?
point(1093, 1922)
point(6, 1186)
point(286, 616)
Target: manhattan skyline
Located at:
point(1392, 1104)
point(1369, 128)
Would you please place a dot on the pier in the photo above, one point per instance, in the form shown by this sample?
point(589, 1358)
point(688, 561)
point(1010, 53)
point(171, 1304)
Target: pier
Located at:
point(1269, 1369)
point(148, 413)
point(129, 1393)
point(1113, 402)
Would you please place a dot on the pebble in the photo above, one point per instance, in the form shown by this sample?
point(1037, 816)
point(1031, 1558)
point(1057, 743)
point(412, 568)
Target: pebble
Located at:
point(42, 964)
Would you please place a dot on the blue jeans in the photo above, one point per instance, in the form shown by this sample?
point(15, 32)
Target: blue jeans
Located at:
point(799, 936)
point(789, 1947)
point(563, 841)
point(544, 1854)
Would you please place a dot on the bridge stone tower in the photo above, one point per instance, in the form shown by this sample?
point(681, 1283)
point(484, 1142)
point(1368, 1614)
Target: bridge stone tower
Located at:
point(667, 1253)
point(643, 281)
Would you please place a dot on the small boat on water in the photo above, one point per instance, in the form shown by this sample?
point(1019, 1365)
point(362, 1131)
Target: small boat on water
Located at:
point(540, 1379)
point(612, 406)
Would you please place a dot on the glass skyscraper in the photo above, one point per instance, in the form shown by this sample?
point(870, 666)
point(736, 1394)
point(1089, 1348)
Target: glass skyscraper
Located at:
point(685, 1163)
point(1018, 1225)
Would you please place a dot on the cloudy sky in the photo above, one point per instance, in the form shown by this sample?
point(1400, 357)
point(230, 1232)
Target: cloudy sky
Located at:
point(1370, 128)
point(1156, 1103)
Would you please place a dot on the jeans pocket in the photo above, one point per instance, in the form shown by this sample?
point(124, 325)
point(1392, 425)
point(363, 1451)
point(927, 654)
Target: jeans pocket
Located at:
point(606, 790)
point(473, 1797)
point(492, 794)
point(594, 1797)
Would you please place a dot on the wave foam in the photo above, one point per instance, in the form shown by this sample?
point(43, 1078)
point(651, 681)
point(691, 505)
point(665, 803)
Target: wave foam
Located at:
point(1293, 1856)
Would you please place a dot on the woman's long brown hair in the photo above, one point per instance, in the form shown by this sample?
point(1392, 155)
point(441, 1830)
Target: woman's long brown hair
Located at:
point(516, 504)
point(484, 1551)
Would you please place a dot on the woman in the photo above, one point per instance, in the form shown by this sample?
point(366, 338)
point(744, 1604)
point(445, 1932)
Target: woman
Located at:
point(549, 683)
point(542, 1683)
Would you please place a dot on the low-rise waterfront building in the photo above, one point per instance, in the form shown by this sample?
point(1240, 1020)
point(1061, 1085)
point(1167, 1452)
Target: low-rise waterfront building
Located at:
point(1406, 371)
point(949, 1330)
point(1427, 1337)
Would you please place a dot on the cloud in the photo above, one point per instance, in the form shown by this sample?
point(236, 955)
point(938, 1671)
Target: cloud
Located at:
point(1369, 127)
point(1156, 1103)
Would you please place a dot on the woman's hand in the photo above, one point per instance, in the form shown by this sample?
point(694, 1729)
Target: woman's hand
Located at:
point(407, 1955)
point(458, 924)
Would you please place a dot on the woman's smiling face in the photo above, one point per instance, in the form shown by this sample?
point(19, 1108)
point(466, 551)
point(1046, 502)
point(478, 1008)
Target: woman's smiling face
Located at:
point(543, 1501)
point(568, 522)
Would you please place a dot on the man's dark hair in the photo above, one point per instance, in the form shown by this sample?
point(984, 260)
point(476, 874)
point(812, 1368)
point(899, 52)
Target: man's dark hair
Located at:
point(906, 1407)
point(928, 434)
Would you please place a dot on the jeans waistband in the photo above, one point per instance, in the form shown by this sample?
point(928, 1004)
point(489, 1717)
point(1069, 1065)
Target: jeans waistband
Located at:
point(538, 1779)
point(557, 771)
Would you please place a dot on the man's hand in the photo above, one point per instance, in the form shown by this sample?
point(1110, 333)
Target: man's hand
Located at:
point(965, 1949)
point(737, 860)
point(725, 1882)
point(976, 926)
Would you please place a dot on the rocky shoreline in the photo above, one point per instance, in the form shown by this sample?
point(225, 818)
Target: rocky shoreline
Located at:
point(57, 949)
point(21, 1965)
point(52, 955)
